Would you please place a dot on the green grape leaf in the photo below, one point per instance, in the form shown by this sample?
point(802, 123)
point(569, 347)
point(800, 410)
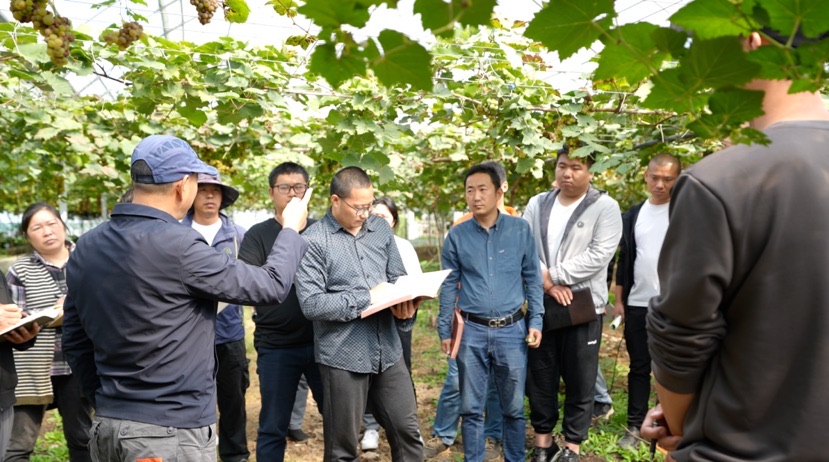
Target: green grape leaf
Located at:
point(283, 7)
point(58, 84)
point(524, 165)
point(712, 18)
point(230, 113)
point(786, 15)
point(334, 70)
point(671, 41)
point(403, 62)
point(729, 109)
point(192, 113)
point(775, 62)
point(632, 54)
point(385, 174)
point(438, 16)
point(475, 12)
point(566, 26)
point(717, 63)
point(435, 15)
point(34, 52)
point(669, 92)
point(236, 11)
point(327, 13)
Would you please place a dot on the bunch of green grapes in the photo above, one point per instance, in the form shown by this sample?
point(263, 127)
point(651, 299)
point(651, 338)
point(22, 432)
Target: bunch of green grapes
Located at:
point(56, 30)
point(129, 32)
point(206, 8)
point(58, 37)
point(23, 10)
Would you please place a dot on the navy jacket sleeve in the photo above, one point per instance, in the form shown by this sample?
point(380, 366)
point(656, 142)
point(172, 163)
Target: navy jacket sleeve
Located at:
point(79, 351)
point(215, 275)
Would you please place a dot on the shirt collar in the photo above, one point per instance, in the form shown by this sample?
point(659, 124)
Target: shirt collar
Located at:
point(494, 225)
point(142, 211)
point(36, 256)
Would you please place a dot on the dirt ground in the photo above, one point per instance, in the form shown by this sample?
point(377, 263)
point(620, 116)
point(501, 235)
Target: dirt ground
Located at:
point(423, 365)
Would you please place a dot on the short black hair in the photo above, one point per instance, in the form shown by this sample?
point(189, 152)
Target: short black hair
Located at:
point(32, 210)
point(386, 200)
point(126, 198)
point(666, 159)
point(140, 168)
point(489, 169)
point(502, 172)
point(347, 179)
point(588, 159)
point(798, 40)
point(287, 168)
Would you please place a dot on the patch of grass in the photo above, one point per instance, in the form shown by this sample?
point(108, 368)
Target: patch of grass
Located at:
point(51, 446)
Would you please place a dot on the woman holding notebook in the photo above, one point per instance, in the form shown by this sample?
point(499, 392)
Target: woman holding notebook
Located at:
point(38, 282)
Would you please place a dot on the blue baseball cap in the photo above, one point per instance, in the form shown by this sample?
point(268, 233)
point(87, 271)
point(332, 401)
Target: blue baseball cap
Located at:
point(169, 158)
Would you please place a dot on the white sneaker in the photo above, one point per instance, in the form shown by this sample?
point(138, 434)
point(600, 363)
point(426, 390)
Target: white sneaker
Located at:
point(371, 440)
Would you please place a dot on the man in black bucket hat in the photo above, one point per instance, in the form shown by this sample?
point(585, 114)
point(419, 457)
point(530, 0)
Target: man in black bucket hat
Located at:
point(232, 376)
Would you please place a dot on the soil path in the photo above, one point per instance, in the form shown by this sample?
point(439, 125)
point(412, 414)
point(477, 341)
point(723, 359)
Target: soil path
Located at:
point(428, 364)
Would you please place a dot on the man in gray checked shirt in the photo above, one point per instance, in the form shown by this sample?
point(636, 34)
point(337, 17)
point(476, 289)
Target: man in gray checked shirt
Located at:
point(350, 252)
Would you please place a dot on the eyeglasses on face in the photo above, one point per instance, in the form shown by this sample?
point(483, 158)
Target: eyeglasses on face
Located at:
point(365, 210)
point(298, 188)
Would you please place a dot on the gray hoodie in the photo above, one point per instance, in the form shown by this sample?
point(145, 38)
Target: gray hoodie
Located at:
point(589, 243)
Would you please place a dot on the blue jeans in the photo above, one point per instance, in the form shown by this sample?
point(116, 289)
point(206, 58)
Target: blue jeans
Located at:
point(279, 372)
point(449, 409)
point(501, 352)
point(601, 395)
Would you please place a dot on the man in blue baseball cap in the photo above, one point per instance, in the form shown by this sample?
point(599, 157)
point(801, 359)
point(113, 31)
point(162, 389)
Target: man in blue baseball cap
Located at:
point(139, 318)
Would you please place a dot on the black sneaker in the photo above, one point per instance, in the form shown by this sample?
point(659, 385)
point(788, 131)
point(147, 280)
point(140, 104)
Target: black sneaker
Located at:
point(566, 455)
point(601, 411)
point(544, 454)
point(296, 434)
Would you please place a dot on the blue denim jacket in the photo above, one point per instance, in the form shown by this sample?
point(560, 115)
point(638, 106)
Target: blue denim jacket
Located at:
point(497, 271)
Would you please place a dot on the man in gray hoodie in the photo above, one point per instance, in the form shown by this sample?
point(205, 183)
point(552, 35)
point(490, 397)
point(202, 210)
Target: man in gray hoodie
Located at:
point(577, 229)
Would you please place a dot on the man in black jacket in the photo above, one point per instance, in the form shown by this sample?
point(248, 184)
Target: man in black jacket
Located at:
point(20, 339)
point(643, 230)
point(284, 339)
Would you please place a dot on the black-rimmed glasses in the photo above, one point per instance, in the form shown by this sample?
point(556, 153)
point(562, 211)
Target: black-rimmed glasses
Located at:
point(298, 188)
point(360, 210)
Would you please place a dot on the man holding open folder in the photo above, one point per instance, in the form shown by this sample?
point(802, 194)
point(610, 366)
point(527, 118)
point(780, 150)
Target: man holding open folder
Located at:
point(351, 257)
point(493, 257)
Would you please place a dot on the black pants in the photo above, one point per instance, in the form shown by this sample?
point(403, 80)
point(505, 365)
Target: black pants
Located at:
point(232, 380)
point(75, 411)
point(639, 378)
point(390, 398)
point(406, 343)
point(571, 354)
